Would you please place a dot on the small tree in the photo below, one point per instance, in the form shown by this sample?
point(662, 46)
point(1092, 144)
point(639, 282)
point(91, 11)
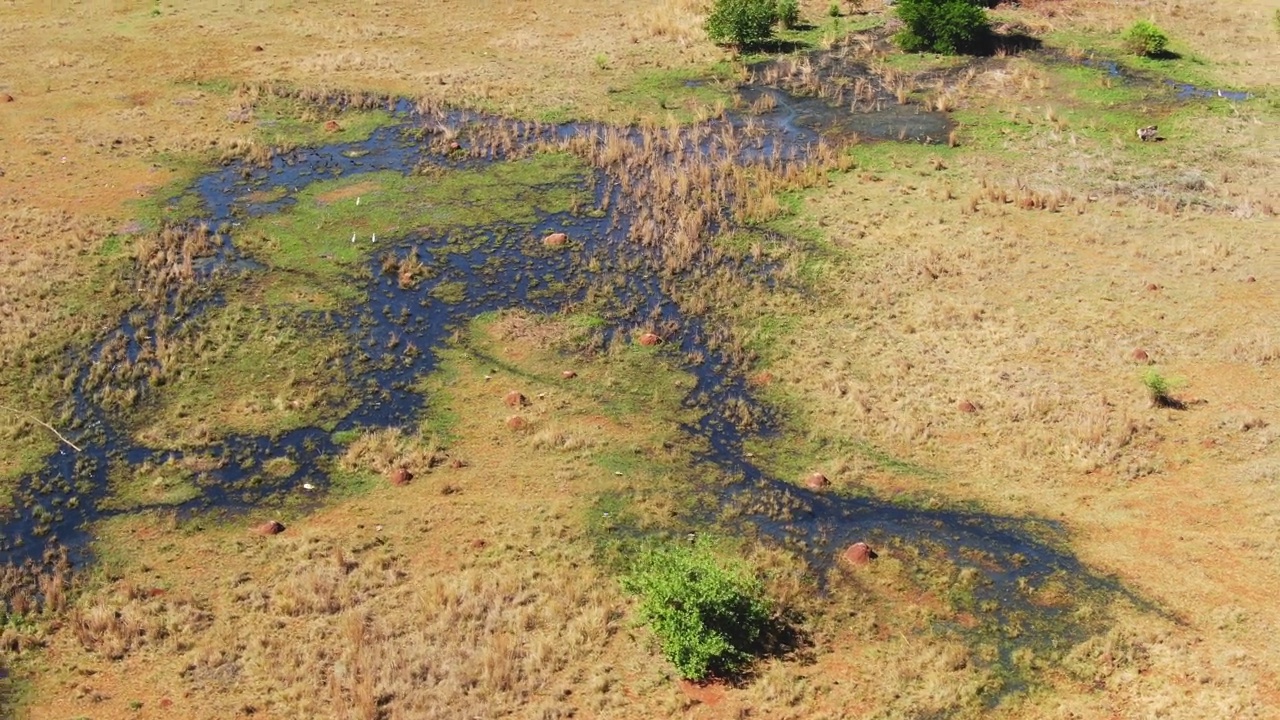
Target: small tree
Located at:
point(742, 22)
point(709, 615)
point(1144, 38)
point(949, 27)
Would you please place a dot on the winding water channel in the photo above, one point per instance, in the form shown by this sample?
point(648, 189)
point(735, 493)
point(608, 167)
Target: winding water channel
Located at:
point(60, 503)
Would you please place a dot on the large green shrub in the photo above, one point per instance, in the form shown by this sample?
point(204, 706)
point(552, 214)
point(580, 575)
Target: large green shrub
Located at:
point(1144, 38)
point(950, 27)
point(709, 615)
point(742, 22)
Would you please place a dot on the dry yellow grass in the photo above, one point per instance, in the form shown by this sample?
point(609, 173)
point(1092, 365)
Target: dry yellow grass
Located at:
point(1013, 282)
point(998, 343)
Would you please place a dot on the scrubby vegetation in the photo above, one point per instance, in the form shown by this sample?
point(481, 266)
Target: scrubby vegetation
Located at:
point(709, 613)
point(742, 23)
point(1146, 39)
point(949, 27)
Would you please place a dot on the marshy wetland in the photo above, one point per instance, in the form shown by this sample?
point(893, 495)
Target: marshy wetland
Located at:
point(366, 416)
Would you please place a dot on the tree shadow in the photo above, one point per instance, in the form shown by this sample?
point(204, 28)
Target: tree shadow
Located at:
point(778, 45)
point(1165, 55)
point(782, 638)
point(1009, 42)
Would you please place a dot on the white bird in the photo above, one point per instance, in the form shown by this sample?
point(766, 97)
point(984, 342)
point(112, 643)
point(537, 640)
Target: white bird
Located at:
point(357, 201)
point(353, 238)
point(308, 486)
point(375, 237)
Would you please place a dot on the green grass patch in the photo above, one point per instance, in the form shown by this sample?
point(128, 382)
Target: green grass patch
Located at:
point(346, 437)
point(113, 246)
point(440, 415)
point(175, 201)
point(923, 61)
point(349, 483)
point(815, 32)
point(242, 370)
point(1181, 64)
point(766, 332)
point(281, 123)
point(452, 291)
point(148, 485)
point(685, 94)
point(637, 380)
point(886, 157)
point(311, 240)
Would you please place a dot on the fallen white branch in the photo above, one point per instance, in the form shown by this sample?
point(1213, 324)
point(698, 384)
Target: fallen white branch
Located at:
point(46, 425)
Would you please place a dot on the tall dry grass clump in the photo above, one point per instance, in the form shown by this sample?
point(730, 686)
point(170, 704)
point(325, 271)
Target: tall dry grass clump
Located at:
point(381, 451)
point(127, 617)
point(679, 21)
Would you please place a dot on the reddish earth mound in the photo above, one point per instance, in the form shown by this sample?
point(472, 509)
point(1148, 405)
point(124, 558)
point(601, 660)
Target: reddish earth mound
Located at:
point(762, 379)
point(965, 406)
point(650, 339)
point(5, 97)
point(817, 481)
point(401, 476)
point(332, 126)
point(555, 240)
point(272, 527)
point(568, 374)
point(457, 464)
point(858, 554)
point(1152, 287)
point(517, 423)
point(1140, 355)
point(515, 399)
point(707, 693)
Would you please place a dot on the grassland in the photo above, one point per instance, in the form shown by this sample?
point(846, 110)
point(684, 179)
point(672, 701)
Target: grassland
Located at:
point(959, 326)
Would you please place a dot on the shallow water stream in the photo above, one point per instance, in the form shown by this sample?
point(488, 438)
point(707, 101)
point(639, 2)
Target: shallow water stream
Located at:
point(61, 502)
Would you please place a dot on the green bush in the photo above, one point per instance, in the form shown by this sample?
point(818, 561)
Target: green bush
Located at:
point(949, 27)
point(788, 13)
point(709, 615)
point(742, 22)
point(1144, 38)
point(1159, 387)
